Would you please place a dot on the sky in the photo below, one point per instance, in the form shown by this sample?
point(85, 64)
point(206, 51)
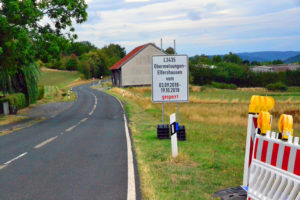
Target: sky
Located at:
point(199, 26)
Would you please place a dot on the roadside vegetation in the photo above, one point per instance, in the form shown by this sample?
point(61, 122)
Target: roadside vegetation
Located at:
point(87, 59)
point(230, 71)
point(53, 87)
point(25, 43)
point(212, 157)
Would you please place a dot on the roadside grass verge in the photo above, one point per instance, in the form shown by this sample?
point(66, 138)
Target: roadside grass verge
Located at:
point(56, 85)
point(10, 119)
point(212, 157)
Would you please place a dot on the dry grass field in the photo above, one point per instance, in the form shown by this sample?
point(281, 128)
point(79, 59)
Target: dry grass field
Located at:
point(213, 155)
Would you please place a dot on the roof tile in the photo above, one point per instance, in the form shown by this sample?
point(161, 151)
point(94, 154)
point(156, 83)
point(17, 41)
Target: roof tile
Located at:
point(127, 57)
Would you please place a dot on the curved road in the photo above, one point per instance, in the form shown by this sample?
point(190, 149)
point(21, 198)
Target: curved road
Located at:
point(80, 154)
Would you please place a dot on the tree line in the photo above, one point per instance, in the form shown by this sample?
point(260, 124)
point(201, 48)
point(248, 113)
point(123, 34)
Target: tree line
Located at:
point(230, 69)
point(33, 30)
point(87, 59)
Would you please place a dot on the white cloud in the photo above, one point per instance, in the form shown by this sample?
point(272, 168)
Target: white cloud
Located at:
point(130, 1)
point(205, 23)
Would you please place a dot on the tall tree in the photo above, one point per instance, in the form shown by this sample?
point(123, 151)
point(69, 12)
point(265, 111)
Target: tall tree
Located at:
point(170, 50)
point(217, 59)
point(31, 29)
point(80, 48)
point(232, 58)
point(114, 53)
point(277, 62)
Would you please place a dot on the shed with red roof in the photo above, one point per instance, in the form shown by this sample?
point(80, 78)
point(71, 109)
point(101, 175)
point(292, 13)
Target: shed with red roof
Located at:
point(135, 69)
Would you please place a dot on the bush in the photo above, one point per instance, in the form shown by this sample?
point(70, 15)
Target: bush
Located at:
point(224, 85)
point(278, 86)
point(41, 92)
point(17, 99)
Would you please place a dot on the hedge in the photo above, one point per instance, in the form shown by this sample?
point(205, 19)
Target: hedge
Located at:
point(41, 92)
point(278, 86)
point(224, 85)
point(16, 99)
point(241, 76)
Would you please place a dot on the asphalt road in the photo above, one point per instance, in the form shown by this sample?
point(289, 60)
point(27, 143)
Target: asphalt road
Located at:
point(80, 154)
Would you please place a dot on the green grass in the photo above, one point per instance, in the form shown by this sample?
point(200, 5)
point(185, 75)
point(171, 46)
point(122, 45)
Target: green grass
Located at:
point(57, 78)
point(56, 85)
point(212, 157)
point(292, 94)
point(246, 95)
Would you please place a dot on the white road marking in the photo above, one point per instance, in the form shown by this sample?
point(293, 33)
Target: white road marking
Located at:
point(45, 142)
point(2, 166)
point(16, 158)
point(62, 133)
point(131, 193)
point(83, 120)
point(95, 105)
point(93, 110)
point(71, 128)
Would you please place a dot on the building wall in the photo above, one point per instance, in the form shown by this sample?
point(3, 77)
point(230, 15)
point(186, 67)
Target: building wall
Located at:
point(262, 69)
point(116, 77)
point(138, 70)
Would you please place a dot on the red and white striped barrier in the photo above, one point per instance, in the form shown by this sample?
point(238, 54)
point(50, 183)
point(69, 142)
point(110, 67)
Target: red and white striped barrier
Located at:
point(251, 133)
point(275, 169)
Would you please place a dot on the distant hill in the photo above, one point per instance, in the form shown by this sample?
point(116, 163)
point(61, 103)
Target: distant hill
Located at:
point(264, 56)
point(293, 59)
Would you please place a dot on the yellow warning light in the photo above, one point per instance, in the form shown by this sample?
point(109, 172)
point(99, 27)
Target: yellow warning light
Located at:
point(270, 103)
point(264, 122)
point(253, 104)
point(285, 126)
point(261, 103)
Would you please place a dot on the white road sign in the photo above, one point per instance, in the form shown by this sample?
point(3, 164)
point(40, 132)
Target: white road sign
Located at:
point(170, 78)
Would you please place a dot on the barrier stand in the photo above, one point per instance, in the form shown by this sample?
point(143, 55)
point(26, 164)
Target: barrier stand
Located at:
point(275, 169)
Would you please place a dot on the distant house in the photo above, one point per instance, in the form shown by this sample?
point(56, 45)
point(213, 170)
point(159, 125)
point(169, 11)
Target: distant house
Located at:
point(135, 69)
point(285, 67)
point(262, 69)
point(276, 68)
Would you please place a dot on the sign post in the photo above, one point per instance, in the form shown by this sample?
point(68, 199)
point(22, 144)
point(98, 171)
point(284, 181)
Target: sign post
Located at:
point(174, 129)
point(170, 84)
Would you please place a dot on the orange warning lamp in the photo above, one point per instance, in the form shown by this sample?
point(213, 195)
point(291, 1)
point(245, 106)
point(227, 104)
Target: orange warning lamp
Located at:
point(285, 126)
point(264, 122)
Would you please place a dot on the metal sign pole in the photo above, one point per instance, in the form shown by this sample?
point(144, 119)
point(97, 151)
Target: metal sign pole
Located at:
point(178, 112)
point(162, 112)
